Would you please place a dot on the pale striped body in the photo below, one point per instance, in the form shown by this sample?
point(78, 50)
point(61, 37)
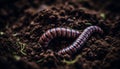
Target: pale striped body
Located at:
point(80, 40)
point(57, 32)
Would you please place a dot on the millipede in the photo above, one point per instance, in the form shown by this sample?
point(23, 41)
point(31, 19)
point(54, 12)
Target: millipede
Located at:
point(80, 41)
point(57, 32)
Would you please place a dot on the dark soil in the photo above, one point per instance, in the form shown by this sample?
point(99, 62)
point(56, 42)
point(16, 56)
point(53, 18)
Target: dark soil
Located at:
point(22, 22)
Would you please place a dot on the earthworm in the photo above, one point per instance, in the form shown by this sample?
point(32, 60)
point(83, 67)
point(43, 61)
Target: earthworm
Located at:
point(57, 32)
point(80, 41)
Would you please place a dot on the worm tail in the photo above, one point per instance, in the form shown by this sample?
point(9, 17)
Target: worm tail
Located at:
point(81, 40)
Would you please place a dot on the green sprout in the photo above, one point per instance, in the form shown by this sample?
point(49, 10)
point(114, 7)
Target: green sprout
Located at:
point(72, 61)
point(17, 57)
point(15, 34)
point(40, 60)
point(103, 15)
point(22, 47)
point(88, 24)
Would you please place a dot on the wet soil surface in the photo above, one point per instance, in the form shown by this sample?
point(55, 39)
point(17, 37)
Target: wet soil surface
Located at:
point(22, 22)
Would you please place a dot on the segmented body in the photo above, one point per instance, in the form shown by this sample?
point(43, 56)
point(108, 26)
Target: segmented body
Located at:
point(80, 40)
point(57, 32)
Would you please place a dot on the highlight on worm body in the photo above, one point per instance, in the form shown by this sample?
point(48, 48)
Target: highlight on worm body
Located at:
point(80, 41)
point(57, 32)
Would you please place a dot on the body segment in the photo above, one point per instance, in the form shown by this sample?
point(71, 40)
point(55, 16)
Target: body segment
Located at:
point(81, 40)
point(57, 32)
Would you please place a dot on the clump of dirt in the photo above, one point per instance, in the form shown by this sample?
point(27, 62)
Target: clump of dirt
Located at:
point(22, 22)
